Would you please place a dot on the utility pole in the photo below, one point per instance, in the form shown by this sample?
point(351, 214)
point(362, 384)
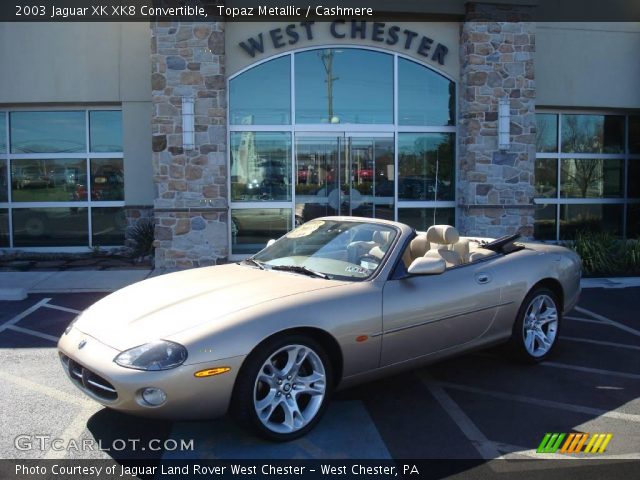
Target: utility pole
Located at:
point(327, 60)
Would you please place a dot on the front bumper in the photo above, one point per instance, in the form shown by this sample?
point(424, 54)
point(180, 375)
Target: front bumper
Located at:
point(92, 369)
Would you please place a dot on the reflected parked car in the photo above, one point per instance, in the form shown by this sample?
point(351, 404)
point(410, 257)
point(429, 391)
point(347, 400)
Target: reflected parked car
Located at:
point(108, 184)
point(29, 177)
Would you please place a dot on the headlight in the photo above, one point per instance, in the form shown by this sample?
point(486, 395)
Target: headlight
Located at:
point(158, 355)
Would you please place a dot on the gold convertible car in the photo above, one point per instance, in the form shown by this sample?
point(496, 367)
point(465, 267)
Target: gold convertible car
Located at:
point(337, 301)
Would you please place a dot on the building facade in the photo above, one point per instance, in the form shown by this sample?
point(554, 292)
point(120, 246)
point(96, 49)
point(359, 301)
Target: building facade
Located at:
point(229, 134)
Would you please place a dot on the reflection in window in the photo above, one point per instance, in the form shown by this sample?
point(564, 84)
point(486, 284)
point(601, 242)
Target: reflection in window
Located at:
point(344, 86)
point(50, 227)
point(546, 177)
point(633, 220)
point(592, 133)
point(590, 217)
point(108, 226)
point(4, 227)
point(107, 179)
point(422, 218)
point(634, 134)
point(544, 224)
point(3, 132)
point(251, 229)
point(424, 97)
point(50, 132)
point(58, 180)
point(260, 166)
point(546, 132)
point(633, 181)
point(591, 178)
point(4, 181)
point(262, 95)
point(105, 128)
point(426, 166)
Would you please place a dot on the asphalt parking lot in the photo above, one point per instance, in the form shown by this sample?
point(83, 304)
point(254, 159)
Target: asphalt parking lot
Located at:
point(480, 406)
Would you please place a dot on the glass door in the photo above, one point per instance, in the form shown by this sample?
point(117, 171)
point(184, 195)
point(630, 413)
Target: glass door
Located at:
point(344, 174)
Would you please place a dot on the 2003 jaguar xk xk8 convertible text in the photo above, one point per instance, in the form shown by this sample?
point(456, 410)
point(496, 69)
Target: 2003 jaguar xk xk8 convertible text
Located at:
point(338, 300)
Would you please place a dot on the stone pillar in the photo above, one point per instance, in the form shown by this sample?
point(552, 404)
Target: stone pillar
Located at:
point(495, 188)
point(190, 209)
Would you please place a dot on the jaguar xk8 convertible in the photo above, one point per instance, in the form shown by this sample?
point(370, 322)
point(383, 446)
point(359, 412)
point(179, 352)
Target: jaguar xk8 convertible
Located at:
point(337, 301)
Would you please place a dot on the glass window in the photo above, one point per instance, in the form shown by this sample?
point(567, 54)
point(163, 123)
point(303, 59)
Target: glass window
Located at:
point(634, 134)
point(107, 179)
point(546, 177)
point(105, 128)
point(46, 180)
point(424, 96)
point(3, 132)
point(544, 224)
point(422, 218)
point(50, 227)
point(251, 229)
point(4, 227)
point(260, 166)
point(4, 181)
point(591, 178)
point(50, 132)
point(547, 132)
point(633, 220)
point(262, 95)
point(426, 166)
point(633, 181)
point(344, 86)
point(592, 133)
point(108, 226)
point(590, 217)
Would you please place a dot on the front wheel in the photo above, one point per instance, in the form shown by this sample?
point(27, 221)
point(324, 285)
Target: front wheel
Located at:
point(535, 332)
point(284, 388)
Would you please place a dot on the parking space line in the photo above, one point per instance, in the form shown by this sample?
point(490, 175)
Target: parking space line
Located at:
point(614, 373)
point(481, 443)
point(629, 417)
point(63, 309)
point(584, 320)
point(600, 342)
point(73, 431)
point(50, 392)
point(21, 315)
point(28, 331)
point(608, 321)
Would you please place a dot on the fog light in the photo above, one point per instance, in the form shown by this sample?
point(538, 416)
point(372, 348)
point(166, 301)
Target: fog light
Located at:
point(154, 396)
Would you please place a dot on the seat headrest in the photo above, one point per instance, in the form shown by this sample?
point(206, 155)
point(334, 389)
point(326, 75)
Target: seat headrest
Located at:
point(419, 246)
point(381, 237)
point(442, 234)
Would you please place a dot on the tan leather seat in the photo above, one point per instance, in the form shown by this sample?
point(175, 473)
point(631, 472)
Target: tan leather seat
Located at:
point(479, 253)
point(442, 239)
point(417, 248)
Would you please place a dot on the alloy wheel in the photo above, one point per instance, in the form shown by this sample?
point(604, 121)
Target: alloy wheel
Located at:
point(540, 325)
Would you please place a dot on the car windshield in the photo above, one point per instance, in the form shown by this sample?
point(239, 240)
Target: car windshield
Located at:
point(333, 249)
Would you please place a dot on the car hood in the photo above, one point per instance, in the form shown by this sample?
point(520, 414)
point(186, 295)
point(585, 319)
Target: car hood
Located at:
point(168, 304)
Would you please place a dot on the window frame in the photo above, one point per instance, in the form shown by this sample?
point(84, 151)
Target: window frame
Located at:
point(558, 155)
point(87, 155)
point(342, 129)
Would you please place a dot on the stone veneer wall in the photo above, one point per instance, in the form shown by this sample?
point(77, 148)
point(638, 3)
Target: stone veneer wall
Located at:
point(495, 188)
point(191, 206)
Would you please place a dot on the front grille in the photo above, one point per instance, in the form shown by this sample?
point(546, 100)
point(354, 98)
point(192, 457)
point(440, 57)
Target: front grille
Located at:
point(87, 380)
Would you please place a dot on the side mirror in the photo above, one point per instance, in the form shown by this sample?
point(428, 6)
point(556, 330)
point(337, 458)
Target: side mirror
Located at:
point(427, 266)
point(271, 242)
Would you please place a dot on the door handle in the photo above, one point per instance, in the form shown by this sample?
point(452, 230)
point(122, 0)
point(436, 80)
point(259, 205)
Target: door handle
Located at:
point(483, 278)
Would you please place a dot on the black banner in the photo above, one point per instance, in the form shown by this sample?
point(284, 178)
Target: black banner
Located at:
point(585, 469)
point(297, 11)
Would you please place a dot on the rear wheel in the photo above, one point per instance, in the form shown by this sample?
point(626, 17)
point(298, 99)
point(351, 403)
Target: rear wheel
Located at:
point(535, 332)
point(284, 387)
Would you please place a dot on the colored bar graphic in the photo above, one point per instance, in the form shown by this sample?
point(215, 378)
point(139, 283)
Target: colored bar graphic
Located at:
point(574, 442)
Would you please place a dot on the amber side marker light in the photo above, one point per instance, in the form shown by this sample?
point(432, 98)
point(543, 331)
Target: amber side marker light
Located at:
point(210, 372)
point(362, 338)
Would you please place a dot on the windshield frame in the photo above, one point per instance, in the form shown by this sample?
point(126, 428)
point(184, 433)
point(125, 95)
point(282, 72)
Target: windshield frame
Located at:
point(384, 261)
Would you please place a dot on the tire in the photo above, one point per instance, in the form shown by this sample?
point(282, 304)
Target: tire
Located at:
point(537, 327)
point(278, 399)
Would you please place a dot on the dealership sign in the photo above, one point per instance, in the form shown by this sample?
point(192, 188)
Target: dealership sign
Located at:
point(385, 34)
